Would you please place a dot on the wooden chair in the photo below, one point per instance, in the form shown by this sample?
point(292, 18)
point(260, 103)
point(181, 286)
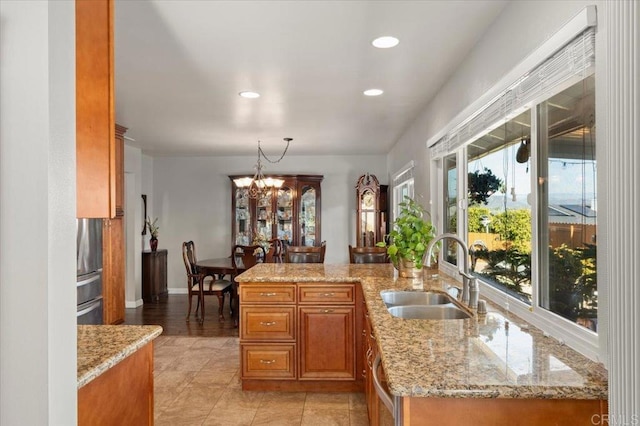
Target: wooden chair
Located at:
point(275, 254)
point(368, 255)
point(243, 258)
point(306, 254)
point(199, 285)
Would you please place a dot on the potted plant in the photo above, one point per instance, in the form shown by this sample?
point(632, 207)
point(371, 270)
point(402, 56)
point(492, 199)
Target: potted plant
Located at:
point(407, 243)
point(153, 230)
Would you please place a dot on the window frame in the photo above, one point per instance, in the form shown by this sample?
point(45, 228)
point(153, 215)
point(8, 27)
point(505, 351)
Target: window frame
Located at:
point(583, 340)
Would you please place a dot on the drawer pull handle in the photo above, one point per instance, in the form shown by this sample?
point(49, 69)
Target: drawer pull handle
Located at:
point(268, 323)
point(267, 361)
point(327, 311)
point(327, 294)
point(268, 294)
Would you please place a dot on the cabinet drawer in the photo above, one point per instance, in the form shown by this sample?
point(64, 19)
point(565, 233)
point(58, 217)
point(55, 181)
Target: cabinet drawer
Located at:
point(268, 361)
point(267, 323)
point(331, 294)
point(267, 293)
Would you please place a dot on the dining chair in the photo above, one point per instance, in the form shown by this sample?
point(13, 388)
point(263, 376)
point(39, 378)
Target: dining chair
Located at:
point(368, 255)
point(199, 285)
point(275, 254)
point(243, 258)
point(306, 254)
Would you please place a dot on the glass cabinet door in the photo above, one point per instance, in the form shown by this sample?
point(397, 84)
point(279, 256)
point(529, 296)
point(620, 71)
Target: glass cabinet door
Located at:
point(242, 229)
point(368, 225)
point(264, 216)
point(307, 216)
point(284, 212)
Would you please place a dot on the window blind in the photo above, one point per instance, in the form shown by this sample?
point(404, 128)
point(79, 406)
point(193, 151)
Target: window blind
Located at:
point(572, 63)
point(404, 176)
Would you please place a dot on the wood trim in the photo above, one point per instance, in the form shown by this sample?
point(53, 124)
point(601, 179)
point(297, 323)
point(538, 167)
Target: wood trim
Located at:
point(502, 411)
point(123, 395)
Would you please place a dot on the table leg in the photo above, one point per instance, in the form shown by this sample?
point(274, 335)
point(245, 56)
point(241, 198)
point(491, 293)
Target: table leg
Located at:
point(201, 286)
point(235, 304)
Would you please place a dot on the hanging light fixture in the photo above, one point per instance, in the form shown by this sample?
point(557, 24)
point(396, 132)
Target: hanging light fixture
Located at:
point(259, 186)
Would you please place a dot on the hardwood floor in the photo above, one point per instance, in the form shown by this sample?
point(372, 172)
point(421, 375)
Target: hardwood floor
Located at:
point(171, 312)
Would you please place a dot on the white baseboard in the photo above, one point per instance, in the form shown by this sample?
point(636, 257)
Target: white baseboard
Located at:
point(134, 304)
point(177, 290)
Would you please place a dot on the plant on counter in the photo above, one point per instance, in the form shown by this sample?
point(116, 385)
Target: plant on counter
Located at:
point(153, 227)
point(410, 236)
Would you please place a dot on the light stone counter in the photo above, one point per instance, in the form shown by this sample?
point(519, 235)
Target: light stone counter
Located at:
point(101, 347)
point(497, 355)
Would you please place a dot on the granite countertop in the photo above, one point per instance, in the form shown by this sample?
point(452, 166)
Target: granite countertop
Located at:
point(497, 355)
point(101, 347)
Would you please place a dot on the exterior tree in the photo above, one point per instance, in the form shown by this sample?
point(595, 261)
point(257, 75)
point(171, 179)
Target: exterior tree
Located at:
point(482, 185)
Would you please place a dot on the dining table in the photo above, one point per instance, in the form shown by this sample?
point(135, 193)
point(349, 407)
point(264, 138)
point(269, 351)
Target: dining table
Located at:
point(217, 268)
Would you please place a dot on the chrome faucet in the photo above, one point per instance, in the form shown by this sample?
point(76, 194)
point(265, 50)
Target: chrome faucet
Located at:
point(470, 286)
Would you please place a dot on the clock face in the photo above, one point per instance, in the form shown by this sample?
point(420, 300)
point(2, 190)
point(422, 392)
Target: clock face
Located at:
point(367, 200)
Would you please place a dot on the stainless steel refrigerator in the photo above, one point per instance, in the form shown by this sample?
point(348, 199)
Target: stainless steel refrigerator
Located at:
point(89, 273)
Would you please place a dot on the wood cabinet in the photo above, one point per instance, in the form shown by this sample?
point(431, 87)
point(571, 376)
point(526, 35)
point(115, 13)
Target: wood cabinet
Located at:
point(300, 337)
point(95, 125)
point(122, 395)
point(154, 275)
point(290, 213)
point(119, 170)
point(113, 246)
point(372, 221)
point(113, 264)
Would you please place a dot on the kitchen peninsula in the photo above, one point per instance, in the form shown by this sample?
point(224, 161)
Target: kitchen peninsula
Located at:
point(115, 374)
point(493, 368)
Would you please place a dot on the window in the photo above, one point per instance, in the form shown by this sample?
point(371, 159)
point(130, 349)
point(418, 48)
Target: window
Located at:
point(498, 214)
point(567, 204)
point(402, 187)
point(519, 184)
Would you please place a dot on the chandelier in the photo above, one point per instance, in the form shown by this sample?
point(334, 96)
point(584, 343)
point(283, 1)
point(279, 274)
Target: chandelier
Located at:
point(259, 186)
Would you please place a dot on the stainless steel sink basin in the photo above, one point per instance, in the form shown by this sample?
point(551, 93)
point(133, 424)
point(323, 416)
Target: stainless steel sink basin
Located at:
point(394, 298)
point(432, 312)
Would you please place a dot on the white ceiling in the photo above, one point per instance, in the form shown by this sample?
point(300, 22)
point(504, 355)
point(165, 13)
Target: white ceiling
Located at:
point(181, 64)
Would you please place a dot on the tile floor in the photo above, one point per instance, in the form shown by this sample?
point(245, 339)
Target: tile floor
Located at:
point(197, 383)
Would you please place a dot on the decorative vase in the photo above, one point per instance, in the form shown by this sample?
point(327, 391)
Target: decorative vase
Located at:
point(153, 243)
point(407, 269)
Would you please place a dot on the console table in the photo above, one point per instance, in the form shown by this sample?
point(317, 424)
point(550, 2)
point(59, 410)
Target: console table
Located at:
point(154, 275)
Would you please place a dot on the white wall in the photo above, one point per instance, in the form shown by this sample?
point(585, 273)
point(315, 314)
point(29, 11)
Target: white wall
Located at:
point(192, 199)
point(37, 214)
point(133, 226)
point(516, 33)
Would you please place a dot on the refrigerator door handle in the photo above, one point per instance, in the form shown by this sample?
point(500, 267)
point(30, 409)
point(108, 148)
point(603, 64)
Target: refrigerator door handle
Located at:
point(91, 278)
point(91, 306)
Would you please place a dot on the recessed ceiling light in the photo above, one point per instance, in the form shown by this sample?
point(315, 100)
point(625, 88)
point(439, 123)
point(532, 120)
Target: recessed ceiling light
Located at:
point(385, 42)
point(373, 92)
point(249, 95)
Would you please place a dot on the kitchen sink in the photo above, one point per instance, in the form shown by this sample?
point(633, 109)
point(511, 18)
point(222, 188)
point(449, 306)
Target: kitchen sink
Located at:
point(426, 298)
point(433, 312)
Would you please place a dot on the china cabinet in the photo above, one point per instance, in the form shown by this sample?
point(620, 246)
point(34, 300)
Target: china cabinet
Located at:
point(290, 213)
point(372, 220)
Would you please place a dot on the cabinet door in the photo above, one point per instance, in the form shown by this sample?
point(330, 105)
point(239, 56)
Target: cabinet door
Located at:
point(95, 130)
point(264, 216)
point(113, 270)
point(327, 343)
point(284, 213)
point(241, 216)
point(308, 219)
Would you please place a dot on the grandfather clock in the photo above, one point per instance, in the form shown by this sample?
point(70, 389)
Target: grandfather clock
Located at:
point(372, 216)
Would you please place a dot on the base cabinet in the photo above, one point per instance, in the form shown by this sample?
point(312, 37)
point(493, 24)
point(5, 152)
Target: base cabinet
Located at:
point(300, 337)
point(154, 275)
point(122, 395)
